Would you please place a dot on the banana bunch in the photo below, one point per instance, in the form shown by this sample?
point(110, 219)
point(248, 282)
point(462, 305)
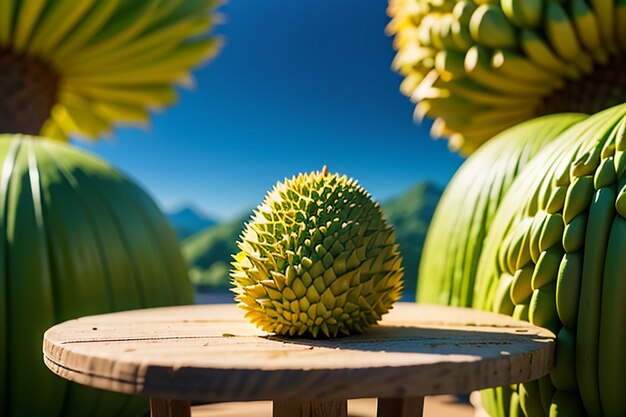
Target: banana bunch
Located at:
point(478, 67)
point(454, 242)
point(108, 61)
point(554, 256)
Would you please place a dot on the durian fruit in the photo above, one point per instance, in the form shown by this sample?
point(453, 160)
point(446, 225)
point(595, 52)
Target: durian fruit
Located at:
point(554, 256)
point(79, 67)
point(76, 238)
point(463, 216)
point(478, 67)
point(317, 259)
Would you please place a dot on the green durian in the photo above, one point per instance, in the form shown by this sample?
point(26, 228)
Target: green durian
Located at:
point(317, 259)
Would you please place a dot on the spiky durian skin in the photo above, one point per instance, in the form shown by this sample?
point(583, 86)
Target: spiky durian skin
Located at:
point(114, 61)
point(317, 259)
point(479, 67)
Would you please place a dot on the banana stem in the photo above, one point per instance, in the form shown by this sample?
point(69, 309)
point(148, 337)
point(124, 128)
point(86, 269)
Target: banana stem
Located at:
point(603, 88)
point(28, 90)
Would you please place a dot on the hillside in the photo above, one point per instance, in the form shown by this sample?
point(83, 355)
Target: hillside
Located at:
point(188, 221)
point(410, 213)
point(209, 252)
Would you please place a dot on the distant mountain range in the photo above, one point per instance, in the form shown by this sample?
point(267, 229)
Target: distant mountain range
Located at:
point(209, 251)
point(188, 221)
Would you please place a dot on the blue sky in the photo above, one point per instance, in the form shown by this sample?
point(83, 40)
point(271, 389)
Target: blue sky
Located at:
point(298, 84)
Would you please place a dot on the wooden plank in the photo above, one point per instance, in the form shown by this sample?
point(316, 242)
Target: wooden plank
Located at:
point(210, 353)
point(442, 406)
point(310, 408)
point(400, 407)
point(180, 408)
point(160, 407)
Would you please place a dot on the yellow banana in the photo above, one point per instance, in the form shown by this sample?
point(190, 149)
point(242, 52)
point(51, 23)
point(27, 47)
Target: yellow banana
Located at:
point(523, 13)
point(586, 25)
point(7, 8)
point(58, 20)
point(561, 33)
point(88, 26)
point(510, 64)
point(605, 12)
point(478, 68)
point(490, 27)
point(536, 49)
point(27, 17)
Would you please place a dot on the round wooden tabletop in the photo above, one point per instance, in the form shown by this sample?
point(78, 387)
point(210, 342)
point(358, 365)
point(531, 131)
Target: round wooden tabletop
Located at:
point(210, 353)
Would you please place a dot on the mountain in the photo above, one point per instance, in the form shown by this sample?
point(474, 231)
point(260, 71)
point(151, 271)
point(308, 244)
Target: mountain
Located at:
point(209, 252)
point(188, 221)
point(410, 214)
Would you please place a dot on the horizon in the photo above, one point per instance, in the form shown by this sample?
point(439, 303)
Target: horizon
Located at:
point(209, 216)
point(283, 97)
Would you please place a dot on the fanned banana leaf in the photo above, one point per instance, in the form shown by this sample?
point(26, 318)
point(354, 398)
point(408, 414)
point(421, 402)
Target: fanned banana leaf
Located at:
point(78, 238)
point(463, 217)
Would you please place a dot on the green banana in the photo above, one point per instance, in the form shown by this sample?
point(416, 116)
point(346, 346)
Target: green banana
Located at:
point(490, 27)
point(601, 214)
point(552, 231)
point(568, 288)
point(563, 374)
point(605, 174)
point(542, 55)
point(605, 11)
point(561, 33)
point(588, 30)
point(542, 310)
point(515, 410)
point(523, 13)
point(566, 404)
point(547, 268)
point(521, 311)
point(521, 287)
point(510, 64)
point(535, 235)
point(546, 391)
point(612, 337)
point(502, 302)
point(478, 68)
point(528, 393)
point(578, 197)
point(574, 233)
point(557, 200)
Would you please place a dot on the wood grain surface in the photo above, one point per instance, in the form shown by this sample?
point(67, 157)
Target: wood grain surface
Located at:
point(210, 353)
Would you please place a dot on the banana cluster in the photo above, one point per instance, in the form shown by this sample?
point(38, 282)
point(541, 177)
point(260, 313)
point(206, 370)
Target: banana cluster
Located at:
point(317, 259)
point(478, 67)
point(463, 216)
point(115, 60)
point(554, 256)
point(76, 238)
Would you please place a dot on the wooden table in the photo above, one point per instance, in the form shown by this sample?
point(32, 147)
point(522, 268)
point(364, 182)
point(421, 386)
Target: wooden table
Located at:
point(210, 353)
